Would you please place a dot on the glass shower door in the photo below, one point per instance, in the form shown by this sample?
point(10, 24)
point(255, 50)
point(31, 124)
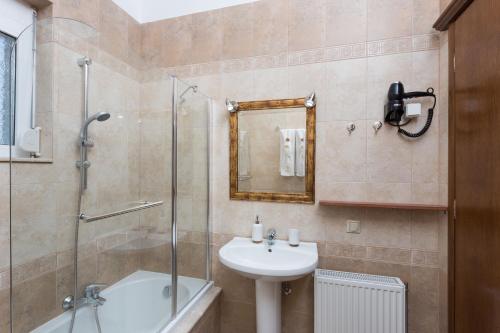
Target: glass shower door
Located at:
point(191, 183)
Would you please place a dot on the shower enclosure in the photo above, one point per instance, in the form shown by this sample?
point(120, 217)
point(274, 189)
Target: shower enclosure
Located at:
point(130, 189)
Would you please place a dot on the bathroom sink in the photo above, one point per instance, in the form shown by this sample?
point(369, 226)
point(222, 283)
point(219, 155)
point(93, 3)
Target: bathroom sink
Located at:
point(269, 266)
point(278, 262)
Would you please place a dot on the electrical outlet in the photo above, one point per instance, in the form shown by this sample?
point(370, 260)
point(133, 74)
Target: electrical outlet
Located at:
point(353, 227)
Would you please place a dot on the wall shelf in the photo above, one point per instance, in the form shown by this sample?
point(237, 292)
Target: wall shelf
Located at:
point(388, 205)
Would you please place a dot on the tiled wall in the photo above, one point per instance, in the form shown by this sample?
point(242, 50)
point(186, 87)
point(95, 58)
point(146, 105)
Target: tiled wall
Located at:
point(348, 52)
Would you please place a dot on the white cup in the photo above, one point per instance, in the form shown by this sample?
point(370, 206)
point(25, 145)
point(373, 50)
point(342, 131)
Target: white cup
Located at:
point(293, 237)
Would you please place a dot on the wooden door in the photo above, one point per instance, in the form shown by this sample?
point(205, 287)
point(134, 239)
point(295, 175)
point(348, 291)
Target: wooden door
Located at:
point(475, 149)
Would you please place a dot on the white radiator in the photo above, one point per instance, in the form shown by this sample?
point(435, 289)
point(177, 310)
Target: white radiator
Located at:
point(358, 303)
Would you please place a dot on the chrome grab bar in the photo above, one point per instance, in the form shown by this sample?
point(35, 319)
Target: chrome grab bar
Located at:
point(143, 205)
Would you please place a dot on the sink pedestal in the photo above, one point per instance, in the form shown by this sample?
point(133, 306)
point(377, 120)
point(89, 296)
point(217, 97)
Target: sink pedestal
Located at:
point(269, 267)
point(268, 299)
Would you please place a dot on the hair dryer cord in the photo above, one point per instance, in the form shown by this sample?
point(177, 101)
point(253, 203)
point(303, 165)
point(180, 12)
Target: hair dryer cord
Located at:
point(430, 114)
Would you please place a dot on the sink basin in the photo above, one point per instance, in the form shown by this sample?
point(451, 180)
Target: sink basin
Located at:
point(279, 262)
point(269, 266)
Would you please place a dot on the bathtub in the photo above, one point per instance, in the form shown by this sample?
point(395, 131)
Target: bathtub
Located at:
point(138, 303)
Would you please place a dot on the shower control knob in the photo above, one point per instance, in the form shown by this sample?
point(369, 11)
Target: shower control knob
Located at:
point(67, 303)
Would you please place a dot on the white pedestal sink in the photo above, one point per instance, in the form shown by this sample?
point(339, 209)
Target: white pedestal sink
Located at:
point(269, 266)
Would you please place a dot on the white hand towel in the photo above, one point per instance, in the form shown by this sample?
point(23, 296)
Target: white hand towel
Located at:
point(243, 154)
point(300, 152)
point(287, 152)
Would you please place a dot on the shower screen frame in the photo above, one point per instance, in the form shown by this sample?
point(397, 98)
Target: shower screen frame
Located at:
point(174, 240)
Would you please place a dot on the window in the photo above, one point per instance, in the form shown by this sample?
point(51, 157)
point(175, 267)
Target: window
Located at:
point(16, 75)
point(7, 75)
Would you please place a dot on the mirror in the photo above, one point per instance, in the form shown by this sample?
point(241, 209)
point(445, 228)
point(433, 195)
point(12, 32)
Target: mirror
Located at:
point(272, 150)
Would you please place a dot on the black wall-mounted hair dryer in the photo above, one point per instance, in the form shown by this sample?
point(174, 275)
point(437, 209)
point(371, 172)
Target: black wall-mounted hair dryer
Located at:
point(395, 107)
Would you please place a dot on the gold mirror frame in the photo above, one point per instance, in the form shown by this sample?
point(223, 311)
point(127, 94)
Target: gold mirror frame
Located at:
point(308, 195)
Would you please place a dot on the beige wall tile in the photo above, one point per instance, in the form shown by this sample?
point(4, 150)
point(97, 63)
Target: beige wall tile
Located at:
point(65, 276)
point(301, 299)
point(87, 11)
point(176, 41)
point(271, 84)
point(341, 156)
point(425, 230)
point(298, 322)
point(5, 310)
point(347, 89)
point(425, 13)
point(306, 28)
point(113, 28)
point(333, 190)
point(237, 317)
point(151, 41)
point(238, 31)
point(207, 37)
point(387, 254)
point(423, 309)
point(346, 22)
point(389, 18)
point(386, 227)
point(389, 157)
point(4, 242)
point(303, 80)
point(34, 306)
point(270, 29)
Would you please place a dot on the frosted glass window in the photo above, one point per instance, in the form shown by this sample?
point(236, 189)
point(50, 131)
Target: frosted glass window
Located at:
point(6, 86)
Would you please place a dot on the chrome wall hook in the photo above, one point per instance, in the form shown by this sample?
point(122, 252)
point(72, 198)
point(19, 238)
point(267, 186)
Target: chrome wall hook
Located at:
point(377, 126)
point(351, 127)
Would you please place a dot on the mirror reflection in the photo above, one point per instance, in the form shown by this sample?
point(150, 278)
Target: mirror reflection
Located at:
point(272, 150)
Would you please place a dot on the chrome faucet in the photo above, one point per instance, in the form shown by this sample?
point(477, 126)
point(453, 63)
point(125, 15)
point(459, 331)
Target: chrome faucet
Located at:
point(92, 294)
point(271, 236)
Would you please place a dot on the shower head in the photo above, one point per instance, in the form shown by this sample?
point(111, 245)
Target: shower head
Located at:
point(99, 116)
point(181, 97)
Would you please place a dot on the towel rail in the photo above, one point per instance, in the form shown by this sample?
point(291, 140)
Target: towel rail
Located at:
point(142, 206)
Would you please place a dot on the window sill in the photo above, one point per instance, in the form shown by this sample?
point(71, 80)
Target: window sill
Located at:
point(25, 160)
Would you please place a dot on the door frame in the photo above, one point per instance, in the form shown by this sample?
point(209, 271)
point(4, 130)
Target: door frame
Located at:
point(446, 22)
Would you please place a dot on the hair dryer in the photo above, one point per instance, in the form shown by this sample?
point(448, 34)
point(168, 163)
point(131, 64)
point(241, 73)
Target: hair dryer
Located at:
point(395, 107)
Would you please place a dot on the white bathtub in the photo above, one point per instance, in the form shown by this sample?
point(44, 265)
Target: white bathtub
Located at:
point(135, 304)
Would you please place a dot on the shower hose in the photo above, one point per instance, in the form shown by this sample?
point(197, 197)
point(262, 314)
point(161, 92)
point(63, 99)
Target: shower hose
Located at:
point(96, 316)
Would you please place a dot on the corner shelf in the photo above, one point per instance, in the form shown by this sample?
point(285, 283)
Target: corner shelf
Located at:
point(388, 205)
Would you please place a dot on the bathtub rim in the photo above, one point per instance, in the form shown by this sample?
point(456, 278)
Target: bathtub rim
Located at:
point(176, 319)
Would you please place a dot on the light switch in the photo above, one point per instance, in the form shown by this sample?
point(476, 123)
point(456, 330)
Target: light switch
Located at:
point(353, 227)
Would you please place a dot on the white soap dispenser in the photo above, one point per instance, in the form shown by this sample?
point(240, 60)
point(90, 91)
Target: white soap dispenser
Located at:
point(257, 231)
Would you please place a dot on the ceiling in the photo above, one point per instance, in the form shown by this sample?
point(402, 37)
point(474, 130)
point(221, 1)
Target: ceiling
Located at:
point(154, 10)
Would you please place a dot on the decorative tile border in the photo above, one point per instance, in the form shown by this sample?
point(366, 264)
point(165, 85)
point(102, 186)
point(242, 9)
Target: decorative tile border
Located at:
point(327, 54)
point(410, 257)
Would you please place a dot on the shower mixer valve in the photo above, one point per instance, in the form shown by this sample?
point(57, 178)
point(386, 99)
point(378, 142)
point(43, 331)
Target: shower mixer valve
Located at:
point(89, 143)
point(86, 164)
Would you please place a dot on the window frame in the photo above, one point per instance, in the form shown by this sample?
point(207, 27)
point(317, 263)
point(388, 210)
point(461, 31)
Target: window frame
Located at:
point(15, 19)
point(5, 149)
